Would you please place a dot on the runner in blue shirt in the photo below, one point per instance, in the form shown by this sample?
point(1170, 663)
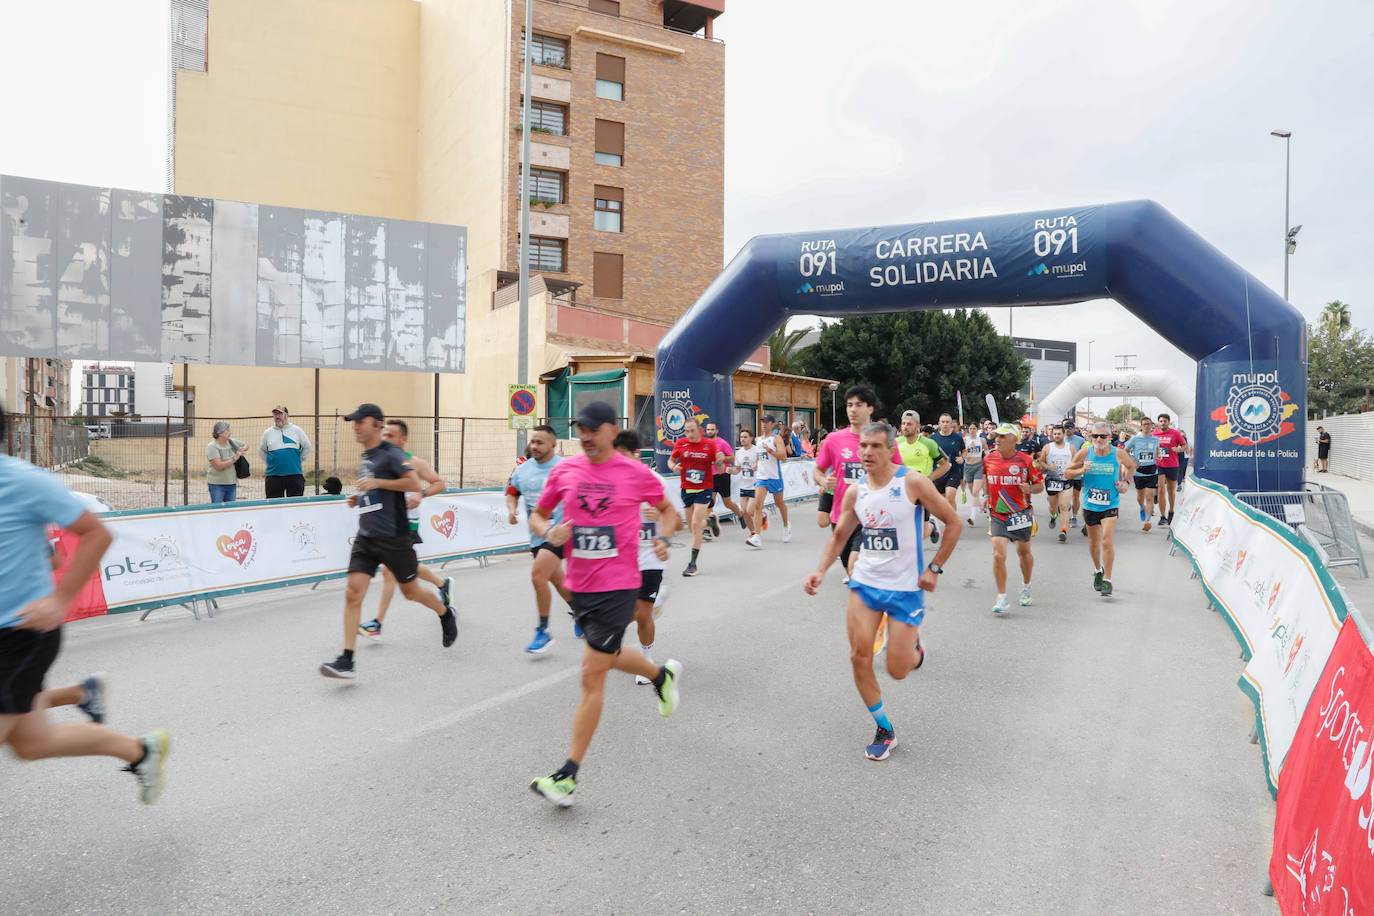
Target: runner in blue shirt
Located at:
point(1143, 447)
point(32, 610)
point(528, 482)
point(1103, 468)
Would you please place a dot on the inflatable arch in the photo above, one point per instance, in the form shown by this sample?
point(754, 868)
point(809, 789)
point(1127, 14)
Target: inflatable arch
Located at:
point(1150, 383)
point(1249, 343)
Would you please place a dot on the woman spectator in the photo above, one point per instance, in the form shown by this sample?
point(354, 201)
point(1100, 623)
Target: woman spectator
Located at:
point(220, 476)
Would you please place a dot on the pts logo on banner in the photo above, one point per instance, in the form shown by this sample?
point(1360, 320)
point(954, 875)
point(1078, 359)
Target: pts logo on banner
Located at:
point(1256, 410)
point(446, 524)
point(165, 555)
point(241, 547)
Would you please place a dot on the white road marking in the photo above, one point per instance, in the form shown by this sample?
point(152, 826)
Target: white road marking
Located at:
point(482, 706)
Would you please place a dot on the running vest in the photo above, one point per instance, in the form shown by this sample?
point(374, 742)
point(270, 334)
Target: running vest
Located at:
point(1099, 483)
point(1057, 458)
point(648, 532)
point(973, 450)
point(890, 556)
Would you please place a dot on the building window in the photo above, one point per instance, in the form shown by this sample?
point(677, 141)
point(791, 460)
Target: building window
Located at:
point(609, 7)
point(548, 50)
point(547, 254)
point(545, 184)
point(610, 77)
point(608, 275)
point(547, 117)
point(610, 143)
point(610, 204)
point(746, 417)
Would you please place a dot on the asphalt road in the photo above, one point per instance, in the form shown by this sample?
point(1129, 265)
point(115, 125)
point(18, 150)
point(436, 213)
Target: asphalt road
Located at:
point(1076, 756)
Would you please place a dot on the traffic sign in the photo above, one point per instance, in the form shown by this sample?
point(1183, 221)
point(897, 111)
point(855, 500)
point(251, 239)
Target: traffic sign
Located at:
point(521, 406)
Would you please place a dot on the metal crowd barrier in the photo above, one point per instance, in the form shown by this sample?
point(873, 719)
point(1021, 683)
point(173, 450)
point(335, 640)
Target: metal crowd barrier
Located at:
point(1321, 516)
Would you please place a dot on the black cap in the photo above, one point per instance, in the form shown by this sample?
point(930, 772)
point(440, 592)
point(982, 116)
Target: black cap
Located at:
point(366, 410)
point(768, 418)
point(596, 414)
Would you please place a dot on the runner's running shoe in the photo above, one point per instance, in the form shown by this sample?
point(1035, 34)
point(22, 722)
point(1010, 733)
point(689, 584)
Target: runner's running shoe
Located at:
point(1000, 606)
point(448, 621)
point(444, 589)
point(1143, 516)
point(883, 743)
point(691, 570)
point(542, 640)
point(93, 700)
point(668, 693)
point(1025, 596)
point(556, 788)
point(787, 534)
point(1073, 521)
point(1106, 590)
point(372, 629)
point(1097, 581)
point(150, 770)
point(1063, 535)
point(753, 541)
point(339, 667)
point(714, 523)
point(742, 523)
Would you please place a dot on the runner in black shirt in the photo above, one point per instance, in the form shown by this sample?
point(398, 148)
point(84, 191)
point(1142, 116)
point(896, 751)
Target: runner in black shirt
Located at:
point(951, 444)
point(384, 477)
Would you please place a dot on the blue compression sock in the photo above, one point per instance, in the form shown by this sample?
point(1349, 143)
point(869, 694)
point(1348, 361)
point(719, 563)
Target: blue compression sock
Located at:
point(880, 716)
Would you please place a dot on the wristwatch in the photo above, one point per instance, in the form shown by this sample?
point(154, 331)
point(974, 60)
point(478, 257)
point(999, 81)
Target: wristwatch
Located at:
point(935, 568)
point(667, 542)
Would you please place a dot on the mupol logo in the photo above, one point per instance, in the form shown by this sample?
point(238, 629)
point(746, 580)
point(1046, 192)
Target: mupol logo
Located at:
point(1039, 270)
point(805, 288)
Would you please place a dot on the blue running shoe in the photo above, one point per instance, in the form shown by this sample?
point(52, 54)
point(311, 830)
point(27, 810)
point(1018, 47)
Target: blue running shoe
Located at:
point(541, 641)
point(577, 629)
point(1143, 516)
point(443, 591)
point(93, 700)
point(372, 629)
point(883, 743)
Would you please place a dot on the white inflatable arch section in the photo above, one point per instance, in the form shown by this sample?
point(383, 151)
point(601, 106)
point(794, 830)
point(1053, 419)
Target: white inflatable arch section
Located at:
point(1176, 393)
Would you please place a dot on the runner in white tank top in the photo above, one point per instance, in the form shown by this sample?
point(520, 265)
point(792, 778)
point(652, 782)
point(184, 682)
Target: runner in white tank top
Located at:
point(1055, 458)
point(652, 594)
point(887, 506)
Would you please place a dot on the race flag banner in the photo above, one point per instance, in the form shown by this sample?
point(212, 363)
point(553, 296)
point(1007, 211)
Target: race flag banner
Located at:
point(959, 399)
point(162, 557)
point(1323, 860)
point(1282, 605)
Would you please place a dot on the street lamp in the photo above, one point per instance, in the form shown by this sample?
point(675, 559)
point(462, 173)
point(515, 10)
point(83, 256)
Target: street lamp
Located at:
point(1090, 368)
point(834, 386)
point(1290, 234)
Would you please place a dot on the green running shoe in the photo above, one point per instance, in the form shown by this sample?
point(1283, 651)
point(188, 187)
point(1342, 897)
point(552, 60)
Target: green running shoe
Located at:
point(149, 771)
point(668, 693)
point(1097, 581)
point(557, 789)
point(1106, 590)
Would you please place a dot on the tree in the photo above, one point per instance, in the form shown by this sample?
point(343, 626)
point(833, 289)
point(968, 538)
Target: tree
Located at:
point(782, 347)
point(1115, 414)
point(918, 360)
point(1336, 314)
point(1340, 365)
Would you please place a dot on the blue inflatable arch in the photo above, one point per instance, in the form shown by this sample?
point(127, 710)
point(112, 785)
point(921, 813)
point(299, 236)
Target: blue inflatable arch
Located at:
point(1250, 345)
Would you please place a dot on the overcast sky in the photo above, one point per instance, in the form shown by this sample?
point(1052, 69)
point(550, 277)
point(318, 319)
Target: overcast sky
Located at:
point(879, 112)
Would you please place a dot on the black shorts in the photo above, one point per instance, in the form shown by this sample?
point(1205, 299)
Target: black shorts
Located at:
point(746, 494)
point(649, 581)
point(280, 485)
point(556, 551)
point(721, 485)
point(1323, 453)
point(1169, 473)
point(1146, 482)
point(826, 503)
point(852, 547)
point(699, 498)
point(1093, 517)
point(25, 657)
point(1076, 483)
point(396, 553)
point(951, 480)
point(604, 616)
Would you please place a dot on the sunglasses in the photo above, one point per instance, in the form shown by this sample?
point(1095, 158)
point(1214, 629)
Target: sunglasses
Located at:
point(1101, 436)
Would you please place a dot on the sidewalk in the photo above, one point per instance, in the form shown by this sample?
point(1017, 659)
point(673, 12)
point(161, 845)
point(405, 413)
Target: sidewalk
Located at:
point(1359, 493)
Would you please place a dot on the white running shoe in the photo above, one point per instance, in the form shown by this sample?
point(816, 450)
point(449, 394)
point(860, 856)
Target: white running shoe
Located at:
point(787, 534)
point(1001, 605)
point(753, 541)
point(1025, 596)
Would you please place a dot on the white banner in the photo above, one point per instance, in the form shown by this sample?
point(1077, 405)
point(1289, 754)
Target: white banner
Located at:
point(1282, 606)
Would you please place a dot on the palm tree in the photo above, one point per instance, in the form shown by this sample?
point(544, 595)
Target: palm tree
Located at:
point(1336, 315)
point(782, 346)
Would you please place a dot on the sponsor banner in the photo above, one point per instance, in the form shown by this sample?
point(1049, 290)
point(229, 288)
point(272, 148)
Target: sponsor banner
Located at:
point(1281, 604)
point(1323, 859)
point(169, 557)
point(1249, 414)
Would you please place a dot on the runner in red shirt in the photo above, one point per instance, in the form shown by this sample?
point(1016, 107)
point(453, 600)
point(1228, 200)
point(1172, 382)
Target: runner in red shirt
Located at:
point(1172, 444)
point(698, 460)
point(1011, 479)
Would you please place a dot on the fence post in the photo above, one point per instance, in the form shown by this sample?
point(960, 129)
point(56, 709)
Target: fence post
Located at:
point(436, 423)
point(462, 448)
point(167, 460)
point(316, 449)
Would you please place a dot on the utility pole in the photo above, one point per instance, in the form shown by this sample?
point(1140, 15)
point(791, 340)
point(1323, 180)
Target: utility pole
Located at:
point(1125, 401)
point(523, 359)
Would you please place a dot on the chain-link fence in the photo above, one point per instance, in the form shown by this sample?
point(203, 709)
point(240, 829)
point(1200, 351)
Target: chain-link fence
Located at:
point(138, 464)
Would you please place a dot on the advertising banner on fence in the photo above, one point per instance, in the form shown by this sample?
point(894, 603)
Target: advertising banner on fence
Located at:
point(1323, 858)
point(1281, 604)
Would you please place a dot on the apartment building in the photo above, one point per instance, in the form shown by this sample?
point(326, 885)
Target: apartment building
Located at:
point(107, 391)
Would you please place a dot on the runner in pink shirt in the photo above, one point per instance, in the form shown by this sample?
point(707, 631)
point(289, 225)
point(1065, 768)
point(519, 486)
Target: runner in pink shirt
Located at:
point(838, 461)
point(1172, 443)
point(601, 492)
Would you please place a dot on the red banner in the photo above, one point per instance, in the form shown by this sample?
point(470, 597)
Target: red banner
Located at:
point(1323, 858)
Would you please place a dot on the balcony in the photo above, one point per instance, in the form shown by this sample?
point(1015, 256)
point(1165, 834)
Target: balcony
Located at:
point(691, 16)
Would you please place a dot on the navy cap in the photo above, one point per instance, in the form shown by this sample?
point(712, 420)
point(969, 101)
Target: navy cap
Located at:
point(366, 410)
point(596, 414)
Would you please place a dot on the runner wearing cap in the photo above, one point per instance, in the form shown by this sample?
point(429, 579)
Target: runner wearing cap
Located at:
point(768, 475)
point(891, 576)
point(698, 460)
point(385, 475)
point(1012, 477)
point(601, 493)
point(1105, 469)
point(397, 432)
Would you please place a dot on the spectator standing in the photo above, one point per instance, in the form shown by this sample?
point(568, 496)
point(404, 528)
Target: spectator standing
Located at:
point(221, 477)
point(1323, 449)
point(284, 447)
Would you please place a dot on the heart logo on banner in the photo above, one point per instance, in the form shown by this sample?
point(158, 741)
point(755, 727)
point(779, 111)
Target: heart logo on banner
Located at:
point(443, 524)
point(236, 547)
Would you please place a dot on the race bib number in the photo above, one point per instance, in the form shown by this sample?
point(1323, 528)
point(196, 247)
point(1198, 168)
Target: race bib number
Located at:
point(1099, 495)
point(368, 503)
point(1146, 459)
point(695, 475)
point(1054, 486)
point(1163, 452)
point(854, 472)
point(746, 480)
point(879, 542)
point(594, 542)
point(1019, 521)
point(648, 531)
